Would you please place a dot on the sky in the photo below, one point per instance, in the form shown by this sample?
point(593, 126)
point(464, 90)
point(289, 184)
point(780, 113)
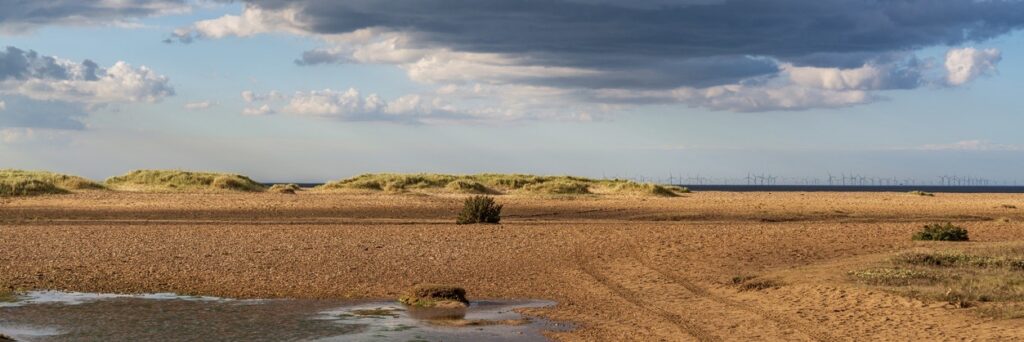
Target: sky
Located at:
point(317, 90)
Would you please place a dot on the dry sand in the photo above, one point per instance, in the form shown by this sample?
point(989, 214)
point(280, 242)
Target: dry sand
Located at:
point(621, 268)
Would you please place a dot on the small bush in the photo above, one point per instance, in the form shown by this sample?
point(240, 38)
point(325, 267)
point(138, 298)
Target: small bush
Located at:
point(922, 193)
point(1009, 206)
point(941, 232)
point(434, 296)
point(479, 209)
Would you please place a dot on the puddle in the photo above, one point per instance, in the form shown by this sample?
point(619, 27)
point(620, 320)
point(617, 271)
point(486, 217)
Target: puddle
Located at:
point(64, 316)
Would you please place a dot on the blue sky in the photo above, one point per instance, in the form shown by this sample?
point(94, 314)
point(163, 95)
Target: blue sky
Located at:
point(340, 88)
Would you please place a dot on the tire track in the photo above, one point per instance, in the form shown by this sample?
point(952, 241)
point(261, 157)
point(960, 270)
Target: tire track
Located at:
point(779, 319)
point(686, 325)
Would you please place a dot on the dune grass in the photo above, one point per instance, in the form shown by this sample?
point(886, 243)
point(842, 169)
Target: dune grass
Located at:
point(30, 183)
point(490, 183)
point(290, 188)
point(991, 278)
point(176, 180)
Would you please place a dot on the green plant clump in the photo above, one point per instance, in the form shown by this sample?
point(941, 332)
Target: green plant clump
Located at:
point(479, 209)
point(941, 232)
point(435, 296)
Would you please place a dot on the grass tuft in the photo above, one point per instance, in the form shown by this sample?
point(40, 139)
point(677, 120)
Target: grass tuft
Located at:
point(922, 193)
point(176, 180)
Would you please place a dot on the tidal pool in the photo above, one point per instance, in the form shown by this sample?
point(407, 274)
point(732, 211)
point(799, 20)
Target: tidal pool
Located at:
point(64, 316)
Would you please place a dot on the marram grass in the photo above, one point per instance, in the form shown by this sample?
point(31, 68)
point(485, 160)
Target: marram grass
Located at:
point(177, 180)
point(490, 183)
point(30, 183)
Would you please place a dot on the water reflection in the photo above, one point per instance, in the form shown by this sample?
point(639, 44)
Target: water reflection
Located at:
point(59, 316)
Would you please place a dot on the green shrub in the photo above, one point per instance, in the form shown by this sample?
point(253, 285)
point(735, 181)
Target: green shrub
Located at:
point(479, 209)
point(941, 232)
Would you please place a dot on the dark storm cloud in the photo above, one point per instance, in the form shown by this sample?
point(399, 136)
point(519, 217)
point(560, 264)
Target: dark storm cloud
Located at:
point(666, 37)
point(20, 64)
point(24, 14)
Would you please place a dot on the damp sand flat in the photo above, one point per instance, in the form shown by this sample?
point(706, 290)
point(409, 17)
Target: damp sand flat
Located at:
point(623, 269)
point(61, 316)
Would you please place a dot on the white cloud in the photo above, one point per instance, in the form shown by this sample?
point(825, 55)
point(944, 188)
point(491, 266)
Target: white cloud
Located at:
point(119, 83)
point(201, 105)
point(967, 64)
point(252, 21)
point(3, 105)
point(258, 111)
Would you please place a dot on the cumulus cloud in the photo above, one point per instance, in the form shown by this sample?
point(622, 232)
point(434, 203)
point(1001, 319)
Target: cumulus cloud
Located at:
point(750, 55)
point(351, 105)
point(20, 16)
point(967, 64)
point(54, 92)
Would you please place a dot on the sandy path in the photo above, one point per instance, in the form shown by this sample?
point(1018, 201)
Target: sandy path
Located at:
point(622, 268)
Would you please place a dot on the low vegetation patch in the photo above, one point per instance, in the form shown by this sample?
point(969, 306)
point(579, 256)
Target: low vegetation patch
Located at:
point(500, 183)
point(467, 186)
point(479, 209)
point(1009, 206)
point(941, 232)
point(991, 279)
point(922, 193)
point(435, 296)
point(175, 180)
point(753, 283)
point(886, 276)
point(559, 187)
point(29, 183)
point(284, 188)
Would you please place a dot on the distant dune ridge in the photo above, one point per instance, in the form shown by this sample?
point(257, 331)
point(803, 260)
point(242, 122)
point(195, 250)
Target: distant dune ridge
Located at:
point(489, 183)
point(29, 183)
point(176, 180)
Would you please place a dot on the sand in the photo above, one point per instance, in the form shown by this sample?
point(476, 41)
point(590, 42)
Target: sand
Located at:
point(621, 268)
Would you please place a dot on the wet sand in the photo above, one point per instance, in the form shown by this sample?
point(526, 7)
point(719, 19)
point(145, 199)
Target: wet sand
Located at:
point(621, 268)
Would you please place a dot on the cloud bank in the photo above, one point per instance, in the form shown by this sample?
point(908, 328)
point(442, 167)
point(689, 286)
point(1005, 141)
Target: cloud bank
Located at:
point(739, 55)
point(18, 16)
